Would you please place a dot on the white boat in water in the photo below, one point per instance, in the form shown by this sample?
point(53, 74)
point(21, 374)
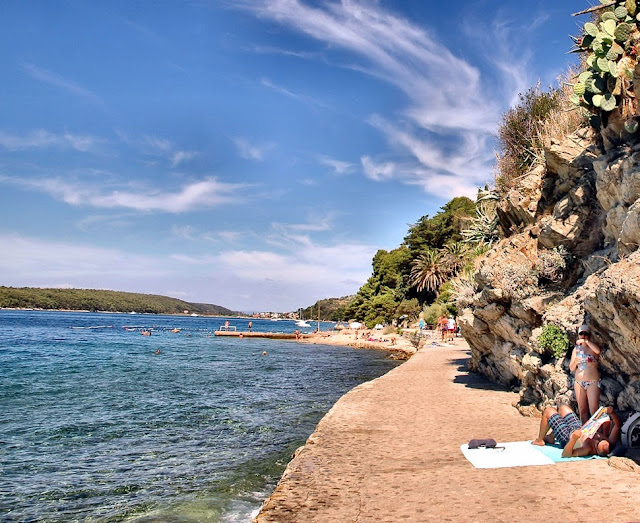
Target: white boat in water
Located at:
point(302, 323)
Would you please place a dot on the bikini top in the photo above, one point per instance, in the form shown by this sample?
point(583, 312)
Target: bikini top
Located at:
point(584, 358)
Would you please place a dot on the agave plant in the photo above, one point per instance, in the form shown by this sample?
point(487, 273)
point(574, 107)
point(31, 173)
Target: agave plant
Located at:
point(484, 227)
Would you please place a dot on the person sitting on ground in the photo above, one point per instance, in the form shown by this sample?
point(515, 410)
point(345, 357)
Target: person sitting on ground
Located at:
point(567, 430)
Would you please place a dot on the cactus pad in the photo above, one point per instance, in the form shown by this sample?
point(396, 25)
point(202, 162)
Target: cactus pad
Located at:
point(631, 7)
point(579, 89)
point(584, 76)
point(609, 27)
point(622, 32)
point(591, 29)
point(631, 126)
point(621, 13)
point(608, 102)
point(603, 65)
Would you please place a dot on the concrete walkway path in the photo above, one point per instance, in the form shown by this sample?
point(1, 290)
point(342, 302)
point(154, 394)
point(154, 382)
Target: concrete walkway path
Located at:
point(389, 451)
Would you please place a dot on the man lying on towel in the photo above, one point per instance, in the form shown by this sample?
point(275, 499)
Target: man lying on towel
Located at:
point(596, 436)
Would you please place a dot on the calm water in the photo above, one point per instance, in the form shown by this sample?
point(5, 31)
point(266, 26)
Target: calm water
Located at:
point(94, 425)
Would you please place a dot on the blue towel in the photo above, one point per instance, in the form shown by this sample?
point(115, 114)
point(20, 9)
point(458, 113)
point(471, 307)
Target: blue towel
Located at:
point(555, 453)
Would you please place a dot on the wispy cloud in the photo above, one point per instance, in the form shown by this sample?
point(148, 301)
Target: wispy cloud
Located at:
point(378, 171)
point(445, 93)
point(40, 139)
point(334, 266)
point(188, 232)
point(32, 261)
point(206, 193)
point(250, 151)
point(315, 224)
point(265, 82)
point(305, 55)
point(158, 147)
point(338, 166)
point(56, 80)
point(179, 157)
point(431, 181)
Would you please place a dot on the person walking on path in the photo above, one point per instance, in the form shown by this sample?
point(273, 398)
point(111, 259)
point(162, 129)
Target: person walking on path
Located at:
point(451, 328)
point(584, 365)
point(443, 326)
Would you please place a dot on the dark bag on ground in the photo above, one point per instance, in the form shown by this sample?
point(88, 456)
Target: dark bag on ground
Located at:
point(488, 443)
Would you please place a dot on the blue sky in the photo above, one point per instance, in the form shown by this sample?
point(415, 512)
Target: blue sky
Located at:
point(249, 153)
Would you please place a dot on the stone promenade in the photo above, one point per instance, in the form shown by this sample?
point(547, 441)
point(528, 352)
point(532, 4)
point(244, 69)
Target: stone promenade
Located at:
point(389, 451)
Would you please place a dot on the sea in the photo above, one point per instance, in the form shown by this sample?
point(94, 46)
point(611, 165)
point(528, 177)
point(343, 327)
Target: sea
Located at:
point(101, 423)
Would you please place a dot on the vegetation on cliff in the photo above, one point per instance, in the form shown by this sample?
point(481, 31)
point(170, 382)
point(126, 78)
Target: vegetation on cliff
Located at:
point(570, 218)
point(102, 300)
point(415, 275)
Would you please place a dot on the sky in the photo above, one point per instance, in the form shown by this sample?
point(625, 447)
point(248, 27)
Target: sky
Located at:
point(254, 154)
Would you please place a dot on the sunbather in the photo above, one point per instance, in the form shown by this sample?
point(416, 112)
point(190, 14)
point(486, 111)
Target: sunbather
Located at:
point(566, 428)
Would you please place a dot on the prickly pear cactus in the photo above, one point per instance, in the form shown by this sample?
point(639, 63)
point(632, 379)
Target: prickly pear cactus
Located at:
point(611, 44)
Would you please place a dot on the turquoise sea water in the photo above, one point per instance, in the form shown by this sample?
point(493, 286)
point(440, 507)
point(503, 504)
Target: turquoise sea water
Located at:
point(94, 425)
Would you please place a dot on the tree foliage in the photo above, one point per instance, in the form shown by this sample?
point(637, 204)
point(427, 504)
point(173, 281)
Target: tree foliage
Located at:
point(102, 300)
point(407, 278)
point(446, 226)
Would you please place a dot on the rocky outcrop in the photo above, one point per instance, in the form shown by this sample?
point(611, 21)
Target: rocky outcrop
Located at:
point(582, 212)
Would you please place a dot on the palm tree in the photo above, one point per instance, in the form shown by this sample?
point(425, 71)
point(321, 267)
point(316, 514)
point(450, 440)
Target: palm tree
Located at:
point(455, 257)
point(427, 272)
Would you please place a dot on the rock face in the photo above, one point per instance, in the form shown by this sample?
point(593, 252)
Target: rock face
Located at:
point(570, 256)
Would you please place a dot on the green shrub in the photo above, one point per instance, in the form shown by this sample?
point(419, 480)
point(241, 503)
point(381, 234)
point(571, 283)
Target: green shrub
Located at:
point(554, 339)
point(433, 312)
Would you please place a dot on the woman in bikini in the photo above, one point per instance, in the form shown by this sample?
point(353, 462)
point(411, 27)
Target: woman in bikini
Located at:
point(584, 365)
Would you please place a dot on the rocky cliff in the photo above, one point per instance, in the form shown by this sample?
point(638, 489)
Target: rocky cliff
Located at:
point(570, 256)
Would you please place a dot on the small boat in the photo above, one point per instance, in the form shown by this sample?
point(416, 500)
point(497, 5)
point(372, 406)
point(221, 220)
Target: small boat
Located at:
point(301, 321)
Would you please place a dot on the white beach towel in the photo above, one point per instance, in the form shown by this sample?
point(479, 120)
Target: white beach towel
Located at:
point(514, 454)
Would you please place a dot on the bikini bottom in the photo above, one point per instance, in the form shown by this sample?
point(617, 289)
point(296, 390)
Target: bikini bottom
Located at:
point(585, 384)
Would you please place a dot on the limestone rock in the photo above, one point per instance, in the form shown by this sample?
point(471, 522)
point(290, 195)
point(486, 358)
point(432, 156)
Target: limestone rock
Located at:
point(518, 209)
point(590, 205)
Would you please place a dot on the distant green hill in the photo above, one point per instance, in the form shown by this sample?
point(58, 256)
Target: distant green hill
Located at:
point(100, 300)
point(330, 309)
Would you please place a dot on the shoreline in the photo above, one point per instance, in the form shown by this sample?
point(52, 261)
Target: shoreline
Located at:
point(388, 450)
point(398, 345)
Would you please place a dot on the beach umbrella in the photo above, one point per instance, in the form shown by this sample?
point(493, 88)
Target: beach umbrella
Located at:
point(355, 325)
point(378, 327)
